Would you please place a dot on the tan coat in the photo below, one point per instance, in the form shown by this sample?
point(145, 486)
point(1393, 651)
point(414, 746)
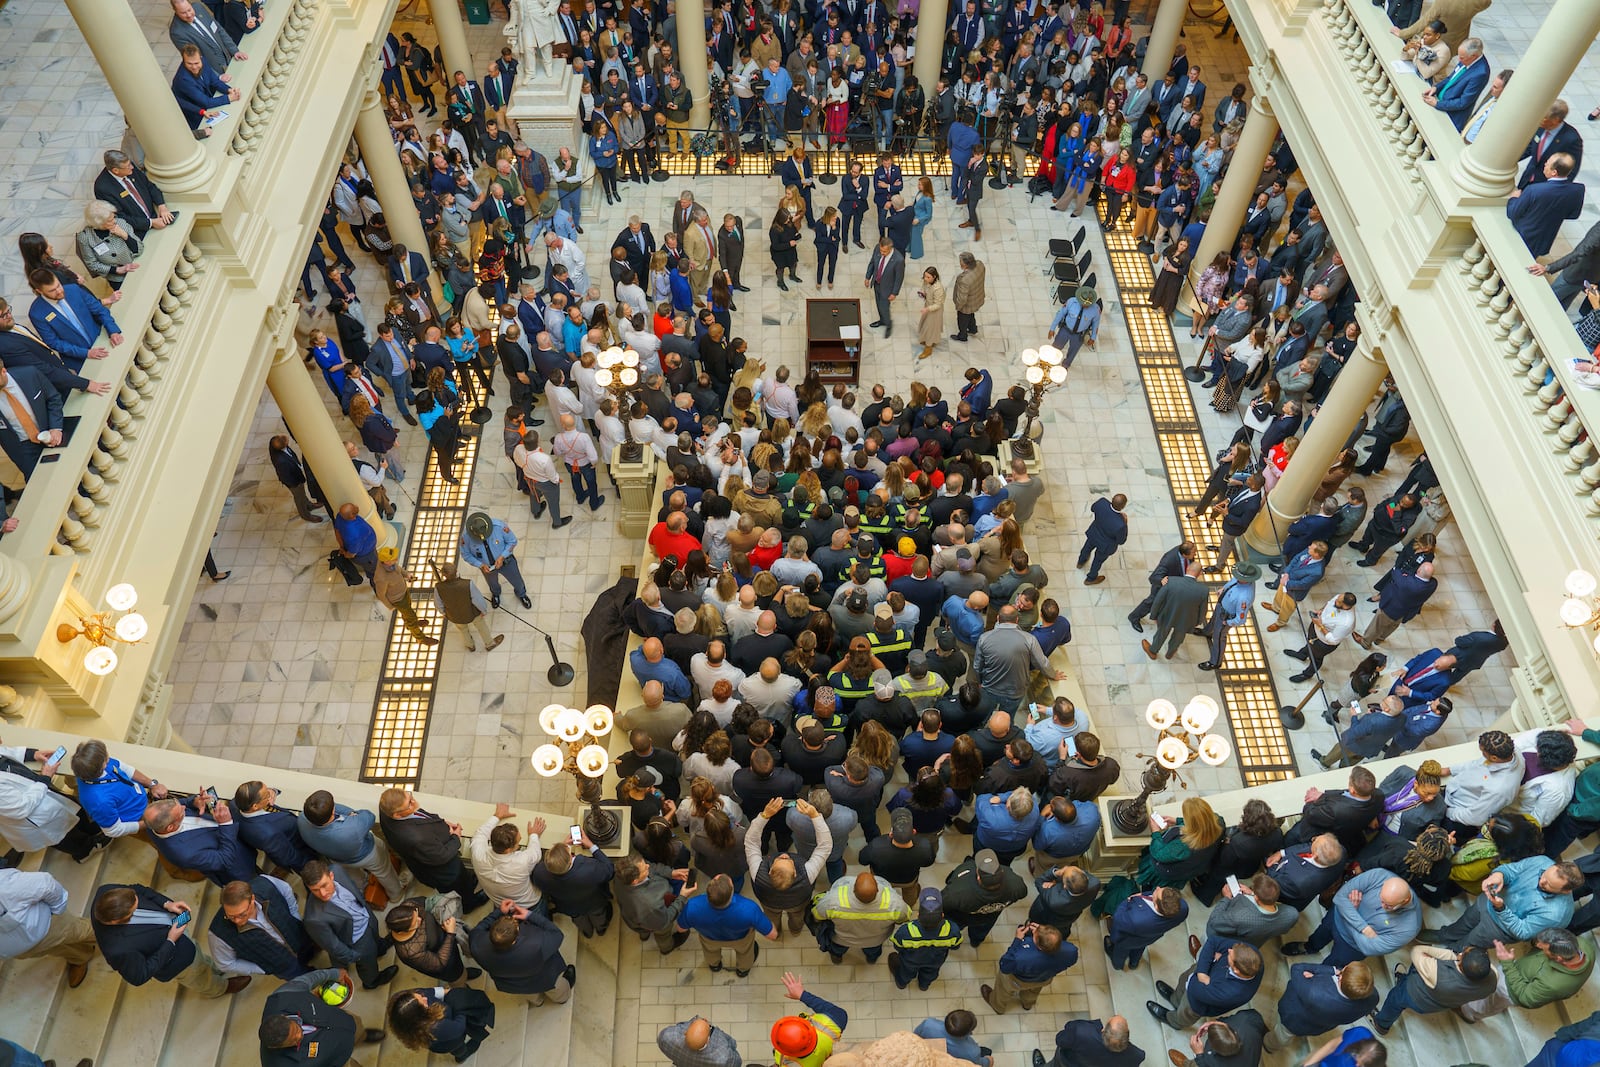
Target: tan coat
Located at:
point(761, 51)
point(1456, 15)
point(703, 255)
point(930, 327)
point(967, 295)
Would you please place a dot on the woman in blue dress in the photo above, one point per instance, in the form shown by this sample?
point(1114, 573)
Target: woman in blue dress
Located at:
point(1207, 163)
point(921, 215)
point(329, 358)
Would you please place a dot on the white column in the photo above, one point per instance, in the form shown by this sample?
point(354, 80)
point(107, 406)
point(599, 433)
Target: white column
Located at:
point(1488, 166)
point(452, 40)
point(389, 182)
point(1163, 38)
point(1233, 198)
point(931, 21)
point(692, 59)
point(1351, 393)
point(308, 420)
point(176, 161)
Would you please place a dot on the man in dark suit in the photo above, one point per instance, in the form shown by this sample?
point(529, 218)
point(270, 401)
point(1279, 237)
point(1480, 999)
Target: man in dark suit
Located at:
point(797, 171)
point(1390, 424)
point(69, 319)
point(639, 243)
point(1171, 565)
point(1555, 136)
point(1538, 211)
point(1426, 676)
point(1347, 814)
point(204, 839)
point(198, 28)
point(1320, 997)
point(1309, 528)
point(268, 828)
point(1302, 875)
point(1107, 532)
point(1139, 922)
point(578, 886)
point(199, 90)
point(257, 930)
point(430, 846)
point(30, 416)
point(300, 1029)
point(139, 203)
point(885, 272)
point(1235, 1041)
point(21, 348)
point(521, 950)
point(1457, 95)
point(406, 267)
point(338, 919)
point(1238, 511)
point(1232, 970)
point(1473, 650)
point(1178, 609)
point(1090, 1043)
point(141, 935)
point(1400, 601)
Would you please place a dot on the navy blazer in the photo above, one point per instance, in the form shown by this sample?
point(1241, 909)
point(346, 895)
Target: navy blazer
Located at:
point(1312, 1004)
point(1226, 990)
point(1109, 529)
point(792, 173)
point(215, 851)
point(55, 330)
point(46, 403)
point(418, 269)
point(275, 833)
point(1567, 139)
point(19, 350)
point(1459, 94)
point(1541, 209)
point(1402, 598)
point(1428, 688)
point(1300, 880)
point(1306, 529)
point(1170, 565)
point(1135, 922)
point(198, 93)
point(644, 92)
point(854, 194)
point(533, 964)
point(140, 952)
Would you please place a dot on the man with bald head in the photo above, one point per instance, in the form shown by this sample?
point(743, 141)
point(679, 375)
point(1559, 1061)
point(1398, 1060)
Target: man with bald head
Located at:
point(711, 666)
point(765, 643)
point(770, 691)
point(575, 448)
point(966, 619)
point(1373, 914)
point(671, 537)
point(993, 737)
point(649, 662)
point(859, 912)
point(743, 615)
point(1091, 1043)
point(1004, 657)
point(656, 715)
point(696, 1043)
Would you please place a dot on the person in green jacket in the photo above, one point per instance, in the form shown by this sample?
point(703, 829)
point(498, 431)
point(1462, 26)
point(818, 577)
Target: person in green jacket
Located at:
point(1557, 968)
point(1581, 817)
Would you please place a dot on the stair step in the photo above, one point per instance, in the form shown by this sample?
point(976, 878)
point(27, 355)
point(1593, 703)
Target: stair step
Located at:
point(238, 1046)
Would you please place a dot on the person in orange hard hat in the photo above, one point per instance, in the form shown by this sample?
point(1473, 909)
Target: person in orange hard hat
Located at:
point(807, 1039)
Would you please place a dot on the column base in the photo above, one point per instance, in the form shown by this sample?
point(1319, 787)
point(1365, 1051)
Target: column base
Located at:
point(1479, 183)
point(1264, 538)
point(545, 113)
point(636, 486)
point(194, 172)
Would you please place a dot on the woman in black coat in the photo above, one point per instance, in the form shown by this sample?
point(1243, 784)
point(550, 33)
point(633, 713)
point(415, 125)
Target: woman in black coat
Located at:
point(456, 1023)
point(1245, 848)
point(784, 236)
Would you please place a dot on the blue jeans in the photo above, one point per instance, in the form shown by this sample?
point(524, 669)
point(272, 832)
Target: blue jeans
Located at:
point(584, 488)
point(774, 113)
point(1326, 934)
point(401, 384)
point(571, 201)
point(885, 129)
point(21, 1057)
point(1395, 1003)
point(834, 868)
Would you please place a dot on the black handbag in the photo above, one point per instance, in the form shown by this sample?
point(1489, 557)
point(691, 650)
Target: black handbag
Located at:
point(338, 561)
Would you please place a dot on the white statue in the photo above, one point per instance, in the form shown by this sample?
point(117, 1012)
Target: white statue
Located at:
point(534, 25)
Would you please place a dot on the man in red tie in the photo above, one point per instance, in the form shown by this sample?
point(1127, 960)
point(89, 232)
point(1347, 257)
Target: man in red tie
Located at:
point(1426, 677)
point(140, 205)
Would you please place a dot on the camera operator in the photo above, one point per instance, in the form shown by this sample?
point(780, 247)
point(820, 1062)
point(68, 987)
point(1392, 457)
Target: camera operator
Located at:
point(908, 118)
point(742, 78)
point(882, 90)
point(944, 116)
point(1024, 132)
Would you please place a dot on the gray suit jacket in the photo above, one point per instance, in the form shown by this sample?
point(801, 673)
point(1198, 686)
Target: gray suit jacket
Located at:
point(1238, 917)
point(331, 927)
point(216, 47)
point(894, 272)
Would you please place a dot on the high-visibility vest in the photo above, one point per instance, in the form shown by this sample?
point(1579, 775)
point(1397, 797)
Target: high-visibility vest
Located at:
point(913, 936)
point(897, 640)
point(851, 688)
point(828, 1032)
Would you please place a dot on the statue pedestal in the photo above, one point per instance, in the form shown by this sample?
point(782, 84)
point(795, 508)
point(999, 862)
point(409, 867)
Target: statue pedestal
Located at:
point(636, 486)
point(1113, 852)
point(544, 110)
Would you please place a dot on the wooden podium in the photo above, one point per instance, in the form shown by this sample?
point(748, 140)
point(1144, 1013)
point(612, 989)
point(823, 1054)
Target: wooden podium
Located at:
point(832, 357)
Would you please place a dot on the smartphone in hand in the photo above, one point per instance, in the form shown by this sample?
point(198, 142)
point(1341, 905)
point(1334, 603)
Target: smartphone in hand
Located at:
point(182, 918)
point(575, 834)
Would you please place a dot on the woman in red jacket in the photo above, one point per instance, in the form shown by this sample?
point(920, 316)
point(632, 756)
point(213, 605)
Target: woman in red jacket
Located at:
point(1117, 180)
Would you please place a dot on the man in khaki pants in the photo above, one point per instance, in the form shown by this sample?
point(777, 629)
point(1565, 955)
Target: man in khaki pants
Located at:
point(726, 920)
point(34, 923)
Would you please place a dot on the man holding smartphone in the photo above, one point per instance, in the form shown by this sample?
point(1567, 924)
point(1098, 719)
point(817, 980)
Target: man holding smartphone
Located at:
point(141, 935)
point(201, 836)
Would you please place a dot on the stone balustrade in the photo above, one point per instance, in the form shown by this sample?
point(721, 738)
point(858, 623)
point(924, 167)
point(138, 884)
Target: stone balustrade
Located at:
point(276, 76)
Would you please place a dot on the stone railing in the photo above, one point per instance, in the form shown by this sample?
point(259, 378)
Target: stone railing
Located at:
point(1360, 33)
point(257, 105)
point(65, 505)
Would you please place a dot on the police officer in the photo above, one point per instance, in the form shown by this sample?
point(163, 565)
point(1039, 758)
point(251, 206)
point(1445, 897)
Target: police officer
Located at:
point(299, 1027)
point(922, 945)
point(489, 545)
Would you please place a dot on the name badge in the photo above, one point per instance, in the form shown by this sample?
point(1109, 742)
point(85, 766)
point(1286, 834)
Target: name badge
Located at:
point(50, 317)
point(102, 248)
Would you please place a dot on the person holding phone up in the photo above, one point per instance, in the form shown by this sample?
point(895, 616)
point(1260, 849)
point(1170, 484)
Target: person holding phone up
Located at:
point(141, 934)
point(34, 816)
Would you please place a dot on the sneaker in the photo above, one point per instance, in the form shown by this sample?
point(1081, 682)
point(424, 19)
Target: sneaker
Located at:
point(746, 972)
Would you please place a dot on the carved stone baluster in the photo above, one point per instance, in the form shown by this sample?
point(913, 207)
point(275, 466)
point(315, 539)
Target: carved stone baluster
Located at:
point(1571, 430)
point(113, 443)
point(130, 401)
point(102, 462)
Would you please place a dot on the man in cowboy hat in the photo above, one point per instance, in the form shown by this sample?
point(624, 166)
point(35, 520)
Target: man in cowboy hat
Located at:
point(488, 544)
point(392, 586)
point(1077, 321)
point(1232, 609)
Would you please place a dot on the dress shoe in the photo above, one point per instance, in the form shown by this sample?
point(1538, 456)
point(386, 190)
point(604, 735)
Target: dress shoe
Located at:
point(1038, 1059)
point(1266, 605)
point(313, 519)
point(76, 973)
point(987, 992)
point(1166, 992)
point(372, 1036)
point(412, 419)
point(1096, 580)
point(958, 337)
point(1178, 1059)
point(494, 601)
point(1303, 676)
point(746, 972)
point(1298, 653)
point(678, 940)
point(715, 967)
point(966, 226)
point(538, 509)
point(1295, 948)
point(1207, 666)
point(1273, 628)
point(570, 973)
point(1106, 941)
point(385, 976)
point(527, 601)
point(875, 325)
point(563, 522)
point(239, 981)
point(1383, 1031)
point(474, 973)
point(977, 234)
point(1194, 947)
point(741, 288)
point(781, 284)
point(1363, 563)
point(1213, 569)
point(1137, 624)
point(1147, 649)
point(1162, 1015)
point(594, 505)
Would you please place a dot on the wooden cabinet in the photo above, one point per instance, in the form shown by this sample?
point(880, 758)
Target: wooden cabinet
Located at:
point(833, 357)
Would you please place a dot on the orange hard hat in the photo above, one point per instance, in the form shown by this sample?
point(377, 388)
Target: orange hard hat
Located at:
point(794, 1036)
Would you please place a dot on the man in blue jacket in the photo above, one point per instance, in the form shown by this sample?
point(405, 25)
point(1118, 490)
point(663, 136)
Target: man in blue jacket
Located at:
point(69, 319)
point(1037, 954)
point(1139, 922)
point(1401, 601)
point(1320, 997)
point(1426, 676)
point(199, 90)
point(1366, 735)
point(1421, 723)
point(205, 839)
point(345, 836)
point(1107, 532)
point(1538, 211)
point(268, 828)
point(1225, 976)
point(1309, 528)
point(1458, 94)
point(1373, 914)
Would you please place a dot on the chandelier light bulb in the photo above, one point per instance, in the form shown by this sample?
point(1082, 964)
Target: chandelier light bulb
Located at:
point(1575, 612)
point(549, 716)
point(1034, 374)
point(602, 377)
point(598, 720)
point(1579, 583)
point(547, 761)
point(630, 358)
point(593, 760)
point(609, 357)
point(1214, 749)
point(1597, 645)
point(1172, 753)
point(1058, 374)
point(1161, 714)
point(1199, 715)
point(1030, 357)
point(100, 661)
point(132, 627)
point(569, 725)
point(123, 596)
point(1051, 355)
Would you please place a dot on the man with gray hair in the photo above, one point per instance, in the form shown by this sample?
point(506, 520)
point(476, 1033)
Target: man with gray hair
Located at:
point(1557, 970)
point(1457, 94)
point(700, 245)
point(139, 203)
point(567, 254)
